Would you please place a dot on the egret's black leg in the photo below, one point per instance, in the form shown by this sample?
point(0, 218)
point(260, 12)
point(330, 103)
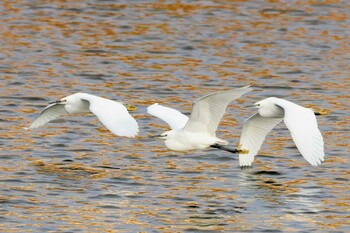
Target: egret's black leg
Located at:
point(225, 148)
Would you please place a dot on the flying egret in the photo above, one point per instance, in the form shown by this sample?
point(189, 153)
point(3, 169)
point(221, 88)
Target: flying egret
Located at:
point(114, 115)
point(300, 121)
point(198, 130)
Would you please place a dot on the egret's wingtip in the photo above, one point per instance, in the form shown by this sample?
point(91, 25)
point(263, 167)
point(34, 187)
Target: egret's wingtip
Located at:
point(135, 134)
point(315, 163)
point(152, 106)
point(129, 135)
point(245, 167)
point(32, 126)
point(246, 87)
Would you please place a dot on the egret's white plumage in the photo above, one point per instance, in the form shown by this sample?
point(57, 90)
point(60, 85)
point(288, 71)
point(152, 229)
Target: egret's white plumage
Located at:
point(112, 114)
point(174, 118)
point(300, 121)
point(197, 131)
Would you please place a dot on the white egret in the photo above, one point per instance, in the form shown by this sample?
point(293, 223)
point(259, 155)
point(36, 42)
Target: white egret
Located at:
point(114, 115)
point(300, 121)
point(197, 131)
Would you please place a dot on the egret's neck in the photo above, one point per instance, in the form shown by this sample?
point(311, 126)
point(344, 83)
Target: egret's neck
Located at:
point(272, 110)
point(77, 104)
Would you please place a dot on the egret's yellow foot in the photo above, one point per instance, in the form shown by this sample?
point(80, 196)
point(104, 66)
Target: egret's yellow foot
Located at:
point(320, 111)
point(130, 107)
point(323, 112)
point(243, 151)
point(240, 150)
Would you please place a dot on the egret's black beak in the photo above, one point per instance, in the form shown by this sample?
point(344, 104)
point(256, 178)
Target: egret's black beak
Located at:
point(56, 102)
point(156, 136)
point(251, 106)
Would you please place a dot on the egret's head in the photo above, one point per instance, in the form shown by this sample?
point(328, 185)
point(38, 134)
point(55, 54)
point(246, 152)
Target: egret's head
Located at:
point(71, 99)
point(268, 108)
point(268, 102)
point(258, 104)
point(164, 135)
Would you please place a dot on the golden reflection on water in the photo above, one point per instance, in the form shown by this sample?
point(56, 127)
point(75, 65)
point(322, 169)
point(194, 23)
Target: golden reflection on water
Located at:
point(76, 175)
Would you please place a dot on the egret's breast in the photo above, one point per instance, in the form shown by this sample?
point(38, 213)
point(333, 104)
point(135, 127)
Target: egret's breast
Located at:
point(176, 146)
point(184, 141)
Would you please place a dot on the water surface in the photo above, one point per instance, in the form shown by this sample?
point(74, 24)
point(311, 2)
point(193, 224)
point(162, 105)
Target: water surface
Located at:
point(75, 176)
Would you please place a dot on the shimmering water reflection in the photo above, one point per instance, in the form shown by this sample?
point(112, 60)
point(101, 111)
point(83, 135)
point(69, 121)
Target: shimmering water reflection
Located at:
point(75, 176)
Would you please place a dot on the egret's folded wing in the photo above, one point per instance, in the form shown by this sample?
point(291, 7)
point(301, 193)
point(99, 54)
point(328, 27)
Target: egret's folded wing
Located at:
point(302, 125)
point(174, 118)
point(49, 113)
point(254, 131)
point(113, 115)
point(208, 110)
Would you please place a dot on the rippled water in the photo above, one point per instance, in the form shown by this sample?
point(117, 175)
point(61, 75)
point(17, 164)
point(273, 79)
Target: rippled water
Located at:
point(74, 175)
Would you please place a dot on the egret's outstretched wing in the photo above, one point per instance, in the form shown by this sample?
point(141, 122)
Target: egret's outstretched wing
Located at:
point(174, 118)
point(254, 131)
point(208, 110)
point(302, 125)
point(113, 115)
point(49, 113)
